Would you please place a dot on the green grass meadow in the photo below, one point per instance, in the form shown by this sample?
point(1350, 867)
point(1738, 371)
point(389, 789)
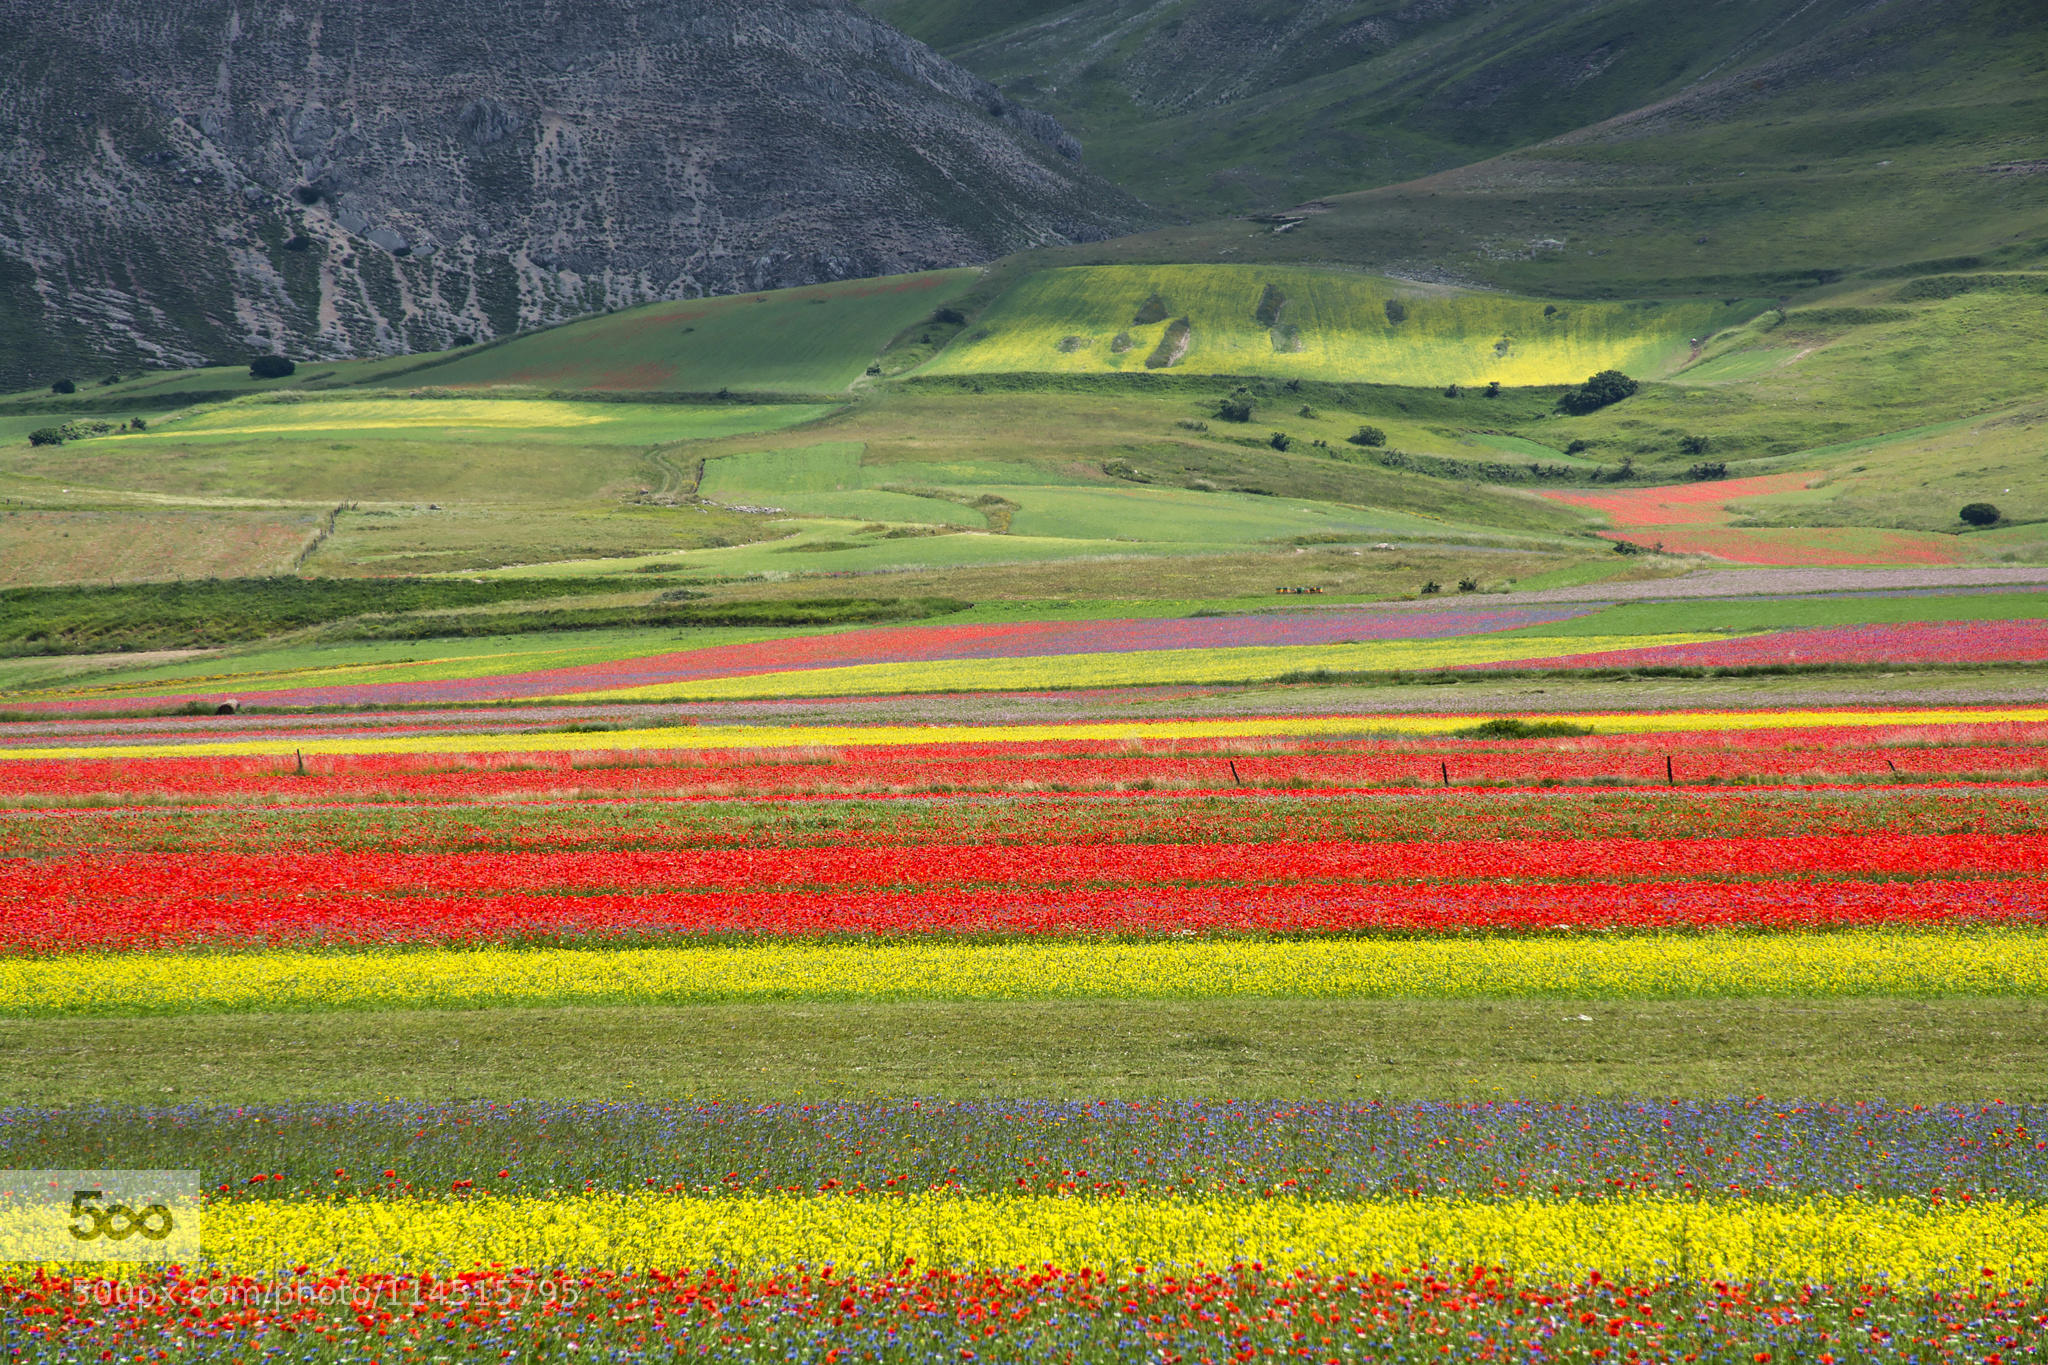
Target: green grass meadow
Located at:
point(818, 339)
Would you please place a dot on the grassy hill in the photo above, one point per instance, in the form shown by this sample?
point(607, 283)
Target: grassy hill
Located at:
point(813, 340)
point(1293, 323)
point(1211, 106)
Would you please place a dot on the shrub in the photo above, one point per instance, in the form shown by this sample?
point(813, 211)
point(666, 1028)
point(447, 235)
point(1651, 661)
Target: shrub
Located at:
point(64, 386)
point(1979, 513)
point(1578, 447)
point(1368, 436)
point(46, 436)
point(81, 428)
point(1397, 312)
point(1309, 412)
point(271, 367)
point(1493, 388)
point(1514, 727)
point(1709, 469)
point(1601, 390)
point(1452, 391)
point(1236, 408)
point(1468, 585)
point(1432, 586)
point(1696, 445)
point(1280, 440)
point(950, 317)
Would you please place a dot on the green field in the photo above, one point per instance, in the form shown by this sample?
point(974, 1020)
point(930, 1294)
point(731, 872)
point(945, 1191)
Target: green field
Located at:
point(1249, 320)
point(1907, 1050)
point(818, 339)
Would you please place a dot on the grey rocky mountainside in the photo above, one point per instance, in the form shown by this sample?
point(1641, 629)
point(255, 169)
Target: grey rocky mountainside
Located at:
point(192, 180)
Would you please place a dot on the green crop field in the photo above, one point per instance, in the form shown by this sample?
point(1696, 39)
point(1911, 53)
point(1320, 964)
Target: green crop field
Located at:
point(817, 339)
point(1251, 320)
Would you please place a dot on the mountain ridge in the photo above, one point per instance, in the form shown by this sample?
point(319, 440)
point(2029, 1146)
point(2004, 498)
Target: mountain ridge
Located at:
point(243, 176)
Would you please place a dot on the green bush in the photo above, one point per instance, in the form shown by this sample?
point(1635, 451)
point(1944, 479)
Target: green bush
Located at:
point(1369, 436)
point(83, 428)
point(271, 367)
point(1979, 514)
point(1397, 312)
point(1236, 408)
point(46, 436)
point(64, 386)
point(1280, 441)
point(1696, 445)
point(1599, 391)
point(1514, 727)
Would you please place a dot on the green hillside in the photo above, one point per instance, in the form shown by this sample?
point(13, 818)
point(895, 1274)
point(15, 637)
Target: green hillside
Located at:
point(1206, 107)
point(812, 340)
point(1292, 323)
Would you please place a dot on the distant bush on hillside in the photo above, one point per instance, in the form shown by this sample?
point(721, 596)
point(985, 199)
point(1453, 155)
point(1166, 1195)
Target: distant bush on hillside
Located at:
point(46, 436)
point(1369, 436)
point(1280, 441)
point(271, 367)
point(1708, 470)
point(1979, 514)
point(64, 386)
point(1601, 390)
point(1696, 445)
point(1397, 312)
point(950, 317)
point(1236, 408)
point(1153, 309)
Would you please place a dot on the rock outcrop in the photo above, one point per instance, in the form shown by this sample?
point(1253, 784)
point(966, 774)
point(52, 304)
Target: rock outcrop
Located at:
point(214, 178)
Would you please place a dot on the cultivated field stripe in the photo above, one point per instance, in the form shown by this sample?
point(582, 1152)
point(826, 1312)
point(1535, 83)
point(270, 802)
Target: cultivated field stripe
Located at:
point(1818, 1239)
point(1136, 731)
point(1982, 963)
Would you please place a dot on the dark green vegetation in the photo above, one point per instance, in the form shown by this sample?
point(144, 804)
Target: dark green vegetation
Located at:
point(1903, 1050)
point(152, 616)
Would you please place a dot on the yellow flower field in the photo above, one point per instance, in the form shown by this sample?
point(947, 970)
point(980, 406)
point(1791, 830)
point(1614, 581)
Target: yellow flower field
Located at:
point(1240, 664)
point(1820, 1239)
point(1977, 963)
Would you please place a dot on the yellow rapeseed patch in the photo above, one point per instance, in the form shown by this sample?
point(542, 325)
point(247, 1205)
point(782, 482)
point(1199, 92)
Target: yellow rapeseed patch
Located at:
point(1139, 731)
point(1822, 1239)
point(1133, 668)
point(1975, 963)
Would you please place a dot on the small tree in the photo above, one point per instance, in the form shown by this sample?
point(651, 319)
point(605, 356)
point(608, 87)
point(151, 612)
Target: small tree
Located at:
point(1368, 436)
point(64, 386)
point(1601, 390)
point(1979, 514)
point(271, 367)
point(1280, 440)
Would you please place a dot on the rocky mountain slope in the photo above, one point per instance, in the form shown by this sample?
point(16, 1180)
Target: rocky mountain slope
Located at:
point(214, 178)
